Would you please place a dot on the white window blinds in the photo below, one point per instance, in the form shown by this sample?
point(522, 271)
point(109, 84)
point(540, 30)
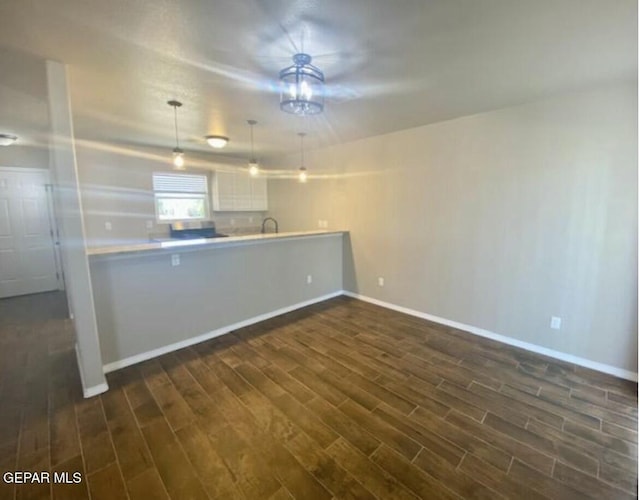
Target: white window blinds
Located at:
point(179, 183)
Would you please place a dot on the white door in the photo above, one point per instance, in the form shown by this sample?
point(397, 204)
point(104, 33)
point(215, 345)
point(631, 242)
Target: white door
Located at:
point(27, 255)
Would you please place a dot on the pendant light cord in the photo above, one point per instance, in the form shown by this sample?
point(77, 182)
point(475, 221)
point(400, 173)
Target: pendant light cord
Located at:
point(175, 119)
point(252, 154)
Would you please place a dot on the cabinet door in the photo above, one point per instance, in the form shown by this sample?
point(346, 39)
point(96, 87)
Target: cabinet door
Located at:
point(237, 191)
point(259, 194)
point(223, 191)
point(242, 195)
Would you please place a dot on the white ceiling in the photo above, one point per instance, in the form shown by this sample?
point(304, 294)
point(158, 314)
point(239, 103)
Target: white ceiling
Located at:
point(390, 65)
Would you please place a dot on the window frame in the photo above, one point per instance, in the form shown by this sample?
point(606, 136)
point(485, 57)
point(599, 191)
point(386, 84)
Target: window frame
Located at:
point(184, 194)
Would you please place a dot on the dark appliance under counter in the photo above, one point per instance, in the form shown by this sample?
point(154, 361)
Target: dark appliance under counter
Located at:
point(194, 230)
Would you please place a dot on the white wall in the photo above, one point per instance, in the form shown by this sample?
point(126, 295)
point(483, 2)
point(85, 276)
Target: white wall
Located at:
point(498, 220)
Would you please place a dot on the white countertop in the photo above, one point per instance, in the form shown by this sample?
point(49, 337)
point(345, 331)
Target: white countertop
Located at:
point(195, 244)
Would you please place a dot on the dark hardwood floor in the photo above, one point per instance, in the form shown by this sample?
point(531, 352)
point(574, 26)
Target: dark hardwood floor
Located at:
point(339, 400)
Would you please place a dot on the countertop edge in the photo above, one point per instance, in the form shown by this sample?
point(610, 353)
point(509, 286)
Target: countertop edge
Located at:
point(201, 244)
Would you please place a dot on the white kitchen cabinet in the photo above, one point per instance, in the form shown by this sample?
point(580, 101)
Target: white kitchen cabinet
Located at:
point(242, 186)
point(259, 194)
point(236, 191)
point(223, 190)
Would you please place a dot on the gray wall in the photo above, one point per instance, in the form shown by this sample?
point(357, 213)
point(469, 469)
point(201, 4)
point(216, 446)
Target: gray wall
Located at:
point(143, 303)
point(24, 156)
point(498, 220)
point(116, 185)
point(24, 109)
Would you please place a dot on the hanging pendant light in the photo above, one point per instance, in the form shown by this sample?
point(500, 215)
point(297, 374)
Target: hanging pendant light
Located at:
point(302, 171)
point(302, 87)
point(178, 154)
point(253, 163)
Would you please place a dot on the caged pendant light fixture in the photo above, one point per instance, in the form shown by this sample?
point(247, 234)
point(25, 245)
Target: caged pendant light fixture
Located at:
point(178, 154)
point(302, 87)
point(253, 163)
point(302, 171)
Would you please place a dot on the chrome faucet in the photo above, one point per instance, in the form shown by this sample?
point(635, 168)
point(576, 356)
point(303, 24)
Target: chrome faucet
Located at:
point(265, 221)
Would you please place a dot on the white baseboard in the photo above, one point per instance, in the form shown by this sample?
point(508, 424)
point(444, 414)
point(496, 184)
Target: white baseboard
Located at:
point(89, 392)
point(587, 363)
point(138, 358)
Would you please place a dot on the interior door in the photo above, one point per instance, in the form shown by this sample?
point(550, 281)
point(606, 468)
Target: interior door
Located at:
point(27, 255)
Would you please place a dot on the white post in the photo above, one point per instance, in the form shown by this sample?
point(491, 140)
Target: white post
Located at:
point(72, 233)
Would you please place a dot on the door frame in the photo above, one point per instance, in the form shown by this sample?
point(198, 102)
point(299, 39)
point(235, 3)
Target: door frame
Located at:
point(51, 214)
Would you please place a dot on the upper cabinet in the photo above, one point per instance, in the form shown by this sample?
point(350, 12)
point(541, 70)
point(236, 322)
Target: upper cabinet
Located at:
point(237, 191)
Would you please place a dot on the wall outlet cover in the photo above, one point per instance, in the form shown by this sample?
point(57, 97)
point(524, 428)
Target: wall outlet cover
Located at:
point(556, 322)
point(381, 281)
point(175, 259)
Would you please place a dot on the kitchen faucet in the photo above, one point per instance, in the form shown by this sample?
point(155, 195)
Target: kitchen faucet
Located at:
point(265, 221)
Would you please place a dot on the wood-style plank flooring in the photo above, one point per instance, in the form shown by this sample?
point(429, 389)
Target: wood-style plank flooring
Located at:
point(339, 400)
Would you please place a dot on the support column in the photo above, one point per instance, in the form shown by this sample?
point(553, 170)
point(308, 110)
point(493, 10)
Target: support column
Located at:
point(72, 233)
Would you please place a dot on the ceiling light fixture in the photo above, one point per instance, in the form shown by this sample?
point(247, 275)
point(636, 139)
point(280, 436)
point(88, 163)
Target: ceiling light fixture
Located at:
point(178, 154)
point(302, 171)
point(253, 163)
point(302, 87)
point(217, 141)
point(7, 139)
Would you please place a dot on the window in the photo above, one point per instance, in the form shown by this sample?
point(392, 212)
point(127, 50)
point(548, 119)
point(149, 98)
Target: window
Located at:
point(180, 197)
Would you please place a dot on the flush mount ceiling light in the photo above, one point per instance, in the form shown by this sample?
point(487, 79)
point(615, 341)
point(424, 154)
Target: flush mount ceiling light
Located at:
point(253, 163)
point(302, 87)
point(178, 154)
point(7, 139)
point(302, 171)
point(217, 141)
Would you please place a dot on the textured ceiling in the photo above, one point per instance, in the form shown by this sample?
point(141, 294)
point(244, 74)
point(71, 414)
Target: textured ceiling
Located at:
point(389, 65)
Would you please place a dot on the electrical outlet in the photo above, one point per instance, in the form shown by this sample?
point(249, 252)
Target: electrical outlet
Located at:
point(108, 226)
point(309, 279)
point(556, 322)
point(320, 223)
point(233, 222)
point(175, 259)
point(250, 220)
point(149, 224)
point(380, 281)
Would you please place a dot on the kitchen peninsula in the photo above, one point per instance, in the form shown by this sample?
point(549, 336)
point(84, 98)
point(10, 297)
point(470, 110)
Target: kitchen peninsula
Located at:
point(152, 298)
